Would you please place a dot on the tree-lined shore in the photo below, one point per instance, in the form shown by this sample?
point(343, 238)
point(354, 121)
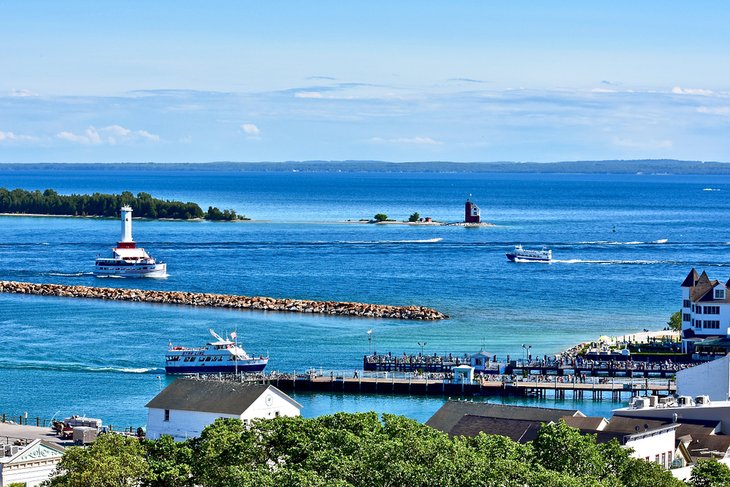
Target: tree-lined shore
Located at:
point(349, 450)
point(49, 202)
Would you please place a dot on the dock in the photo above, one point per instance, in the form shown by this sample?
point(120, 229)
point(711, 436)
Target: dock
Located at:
point(363, 382)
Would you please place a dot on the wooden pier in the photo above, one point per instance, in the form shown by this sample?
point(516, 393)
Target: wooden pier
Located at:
point(390, 384)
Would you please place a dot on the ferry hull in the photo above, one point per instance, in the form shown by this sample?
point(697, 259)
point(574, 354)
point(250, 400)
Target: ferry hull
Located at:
point(522, 258)
point(156, 270)
point(257, 366)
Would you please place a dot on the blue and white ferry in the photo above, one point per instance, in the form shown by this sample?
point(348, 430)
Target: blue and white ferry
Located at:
point(524, 255)
point(222, 355)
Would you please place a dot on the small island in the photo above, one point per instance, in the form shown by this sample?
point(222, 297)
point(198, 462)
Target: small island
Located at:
point(49, 202)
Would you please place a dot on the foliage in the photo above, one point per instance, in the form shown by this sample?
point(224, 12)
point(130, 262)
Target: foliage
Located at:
point(112, 460)
point(380, 217)
point(49, 202)
point(414, 217)
point(710, 473)
point(357, 450)
point(675, 321)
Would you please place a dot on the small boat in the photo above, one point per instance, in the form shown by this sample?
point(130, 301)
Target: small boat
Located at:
point(221, 355)
point(128, 260)
point(524, 255)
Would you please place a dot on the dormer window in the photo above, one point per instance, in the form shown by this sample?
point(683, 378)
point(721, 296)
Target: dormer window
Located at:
point(720, 293)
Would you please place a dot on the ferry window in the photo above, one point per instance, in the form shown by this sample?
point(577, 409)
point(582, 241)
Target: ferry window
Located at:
point(167, 415)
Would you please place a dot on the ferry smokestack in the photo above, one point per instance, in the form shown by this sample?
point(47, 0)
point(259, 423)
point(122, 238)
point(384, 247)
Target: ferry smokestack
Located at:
point(126, 224)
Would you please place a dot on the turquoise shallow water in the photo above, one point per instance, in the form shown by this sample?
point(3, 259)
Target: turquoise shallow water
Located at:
point(622, 246)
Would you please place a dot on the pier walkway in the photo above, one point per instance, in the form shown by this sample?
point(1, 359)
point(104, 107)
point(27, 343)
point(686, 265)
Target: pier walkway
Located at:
point(361, 382)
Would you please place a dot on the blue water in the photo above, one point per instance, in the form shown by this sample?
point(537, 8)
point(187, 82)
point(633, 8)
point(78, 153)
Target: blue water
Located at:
point(622, 245)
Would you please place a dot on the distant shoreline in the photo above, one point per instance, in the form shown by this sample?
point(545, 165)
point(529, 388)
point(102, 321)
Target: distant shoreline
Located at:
point(645, 167)
point(337, 222)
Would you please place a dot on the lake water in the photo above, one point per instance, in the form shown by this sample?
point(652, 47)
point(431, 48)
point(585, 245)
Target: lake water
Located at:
point(622, 244)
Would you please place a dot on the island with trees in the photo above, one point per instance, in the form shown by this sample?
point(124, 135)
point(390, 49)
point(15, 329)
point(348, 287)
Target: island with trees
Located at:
point(49, 202)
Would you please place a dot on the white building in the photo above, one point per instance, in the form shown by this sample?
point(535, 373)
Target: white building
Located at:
point(693, 381)
point(185, 407)
point(705, 309)
point(28, 465)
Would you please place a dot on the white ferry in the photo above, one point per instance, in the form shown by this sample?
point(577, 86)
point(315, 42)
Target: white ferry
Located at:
point(524, 255)
point(221, 355)
point(128, 260)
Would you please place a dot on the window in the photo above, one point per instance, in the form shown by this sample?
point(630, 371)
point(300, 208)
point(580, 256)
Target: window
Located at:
point(167, 415)
point(714, 324)
point(656, 458)
point(664, 460)
point(686, 303)
point(277, 414)
point(719, 293)
point(698, 309)
point(669, 458)
point(686, 317)
point(712, 310)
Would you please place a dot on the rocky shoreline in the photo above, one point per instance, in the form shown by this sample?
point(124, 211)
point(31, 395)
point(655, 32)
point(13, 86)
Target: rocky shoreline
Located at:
point(226, 301)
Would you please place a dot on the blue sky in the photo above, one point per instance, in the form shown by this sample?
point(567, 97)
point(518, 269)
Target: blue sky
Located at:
point(388, 80)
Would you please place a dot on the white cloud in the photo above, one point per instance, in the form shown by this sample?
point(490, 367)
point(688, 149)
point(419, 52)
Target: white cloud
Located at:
point(643, 144)
point(406, 140)
point(714, 110)
point(251, 130)
point(23, 93)
point(110, 135)
point(13, 137)
point(308, 94)
point(677, 90)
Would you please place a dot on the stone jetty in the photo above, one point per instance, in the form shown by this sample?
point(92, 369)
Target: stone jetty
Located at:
point(226, 301)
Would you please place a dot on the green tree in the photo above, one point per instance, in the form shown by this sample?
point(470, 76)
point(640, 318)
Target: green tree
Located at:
point(170, 463)
point(414, 217)
point(111, 461)
point(675, 321)
point(380, 217)
point(710, 473)
point(564, 449)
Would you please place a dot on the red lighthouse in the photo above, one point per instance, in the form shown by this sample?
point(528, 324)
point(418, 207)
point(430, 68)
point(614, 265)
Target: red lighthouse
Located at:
point(471, 213)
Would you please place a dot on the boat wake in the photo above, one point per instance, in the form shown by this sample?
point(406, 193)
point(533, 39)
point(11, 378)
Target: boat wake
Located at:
point(78, 368)
point(711, 189)
point(633, 242)
point(377, 242)
point(70, 274)
point(609, 262)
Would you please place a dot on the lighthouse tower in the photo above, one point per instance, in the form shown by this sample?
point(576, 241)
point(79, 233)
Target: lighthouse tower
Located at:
point(471, 212)
point(126, 242)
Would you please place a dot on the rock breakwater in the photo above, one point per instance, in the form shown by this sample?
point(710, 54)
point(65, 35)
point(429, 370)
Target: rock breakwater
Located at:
point(226, 301)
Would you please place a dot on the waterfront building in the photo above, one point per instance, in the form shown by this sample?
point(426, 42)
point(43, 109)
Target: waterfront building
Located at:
point(185, 407)
point(705, 310)
point(28, 465)
point(472, 214)
point(452, 412)
point(654, 441)
point(693, 381)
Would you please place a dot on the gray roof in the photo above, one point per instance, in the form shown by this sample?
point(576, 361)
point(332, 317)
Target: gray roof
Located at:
point(452, 411)
point(210, 396)
point(516, 429)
